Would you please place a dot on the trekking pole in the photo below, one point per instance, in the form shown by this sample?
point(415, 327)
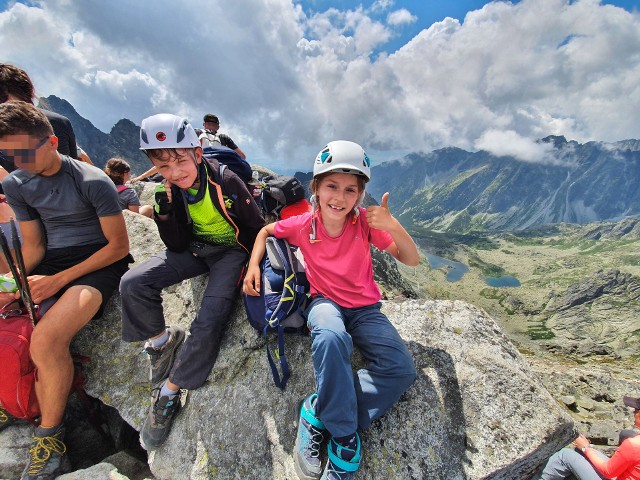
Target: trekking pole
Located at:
point(25, 293)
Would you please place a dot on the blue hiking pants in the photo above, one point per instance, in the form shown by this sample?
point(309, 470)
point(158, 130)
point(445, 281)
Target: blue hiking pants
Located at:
point(569, 461)
point(142, 313)
point(348, 402)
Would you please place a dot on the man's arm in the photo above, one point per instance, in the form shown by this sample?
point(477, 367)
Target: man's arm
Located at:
point(146, 174)
point(241, 153)
point(117, 247)
point(33, 246)
point(33, 250)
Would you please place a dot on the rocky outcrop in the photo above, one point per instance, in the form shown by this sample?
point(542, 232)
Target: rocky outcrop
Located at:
point(596, 316)
point(476, 411)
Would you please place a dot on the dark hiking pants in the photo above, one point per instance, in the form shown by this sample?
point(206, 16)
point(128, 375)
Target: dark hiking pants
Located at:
point(142, 313)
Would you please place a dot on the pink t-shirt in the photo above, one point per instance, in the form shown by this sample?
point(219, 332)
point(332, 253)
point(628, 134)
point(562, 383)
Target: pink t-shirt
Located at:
point(338, 268)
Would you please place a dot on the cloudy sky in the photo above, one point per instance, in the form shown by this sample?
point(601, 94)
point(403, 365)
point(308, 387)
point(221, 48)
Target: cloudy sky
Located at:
point(287, 76)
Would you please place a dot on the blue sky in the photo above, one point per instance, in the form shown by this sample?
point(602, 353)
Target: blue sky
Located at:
point(286, 77)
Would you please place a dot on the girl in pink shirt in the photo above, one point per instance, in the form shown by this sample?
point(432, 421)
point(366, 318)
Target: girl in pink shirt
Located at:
point(335, 240)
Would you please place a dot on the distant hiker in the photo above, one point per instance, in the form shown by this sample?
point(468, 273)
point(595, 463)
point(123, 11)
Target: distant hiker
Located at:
point(586, 463)
point(76, 249)
point(208, 220)
point(83, 156)
point(16, 85)
point(210, 136)
point(345, 310)
point(119, 171)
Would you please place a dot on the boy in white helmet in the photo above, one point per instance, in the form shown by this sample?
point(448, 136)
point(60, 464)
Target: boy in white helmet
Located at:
point(345, 310)
point(208, 220)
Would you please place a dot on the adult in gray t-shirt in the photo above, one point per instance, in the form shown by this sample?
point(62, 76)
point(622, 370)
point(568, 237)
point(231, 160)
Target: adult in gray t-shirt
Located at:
point(68, 203)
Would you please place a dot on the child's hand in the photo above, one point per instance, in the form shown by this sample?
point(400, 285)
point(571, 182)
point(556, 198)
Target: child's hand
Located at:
point(251, 284)
point(380, 217)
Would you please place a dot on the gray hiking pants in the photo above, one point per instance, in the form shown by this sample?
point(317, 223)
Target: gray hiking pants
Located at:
point(569, 461)
point(142, 313)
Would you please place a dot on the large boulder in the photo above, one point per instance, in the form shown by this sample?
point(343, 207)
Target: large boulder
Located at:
point(475, 411)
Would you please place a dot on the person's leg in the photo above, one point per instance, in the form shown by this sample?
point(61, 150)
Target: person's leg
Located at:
point(566, 462)
point(50, 348)
point(390, 370)
point(196, 358)
point(50, 354)
point(141, 292)
point(331, 349)
point(200, 350)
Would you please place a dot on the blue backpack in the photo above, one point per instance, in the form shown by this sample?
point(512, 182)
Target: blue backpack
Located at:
point(231, 159)
point(283, 295)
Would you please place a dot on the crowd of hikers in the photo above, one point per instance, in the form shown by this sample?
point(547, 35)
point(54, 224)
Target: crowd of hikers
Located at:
point(76, 254)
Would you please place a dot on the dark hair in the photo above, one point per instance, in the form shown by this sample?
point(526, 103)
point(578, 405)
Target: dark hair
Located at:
point(164, 155)
point(23, 118)
point(15, 81)
point(116, 168)
point(210, 117)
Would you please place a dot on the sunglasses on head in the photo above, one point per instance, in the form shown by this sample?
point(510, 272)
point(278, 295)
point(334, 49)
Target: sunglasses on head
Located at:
point(24, 152)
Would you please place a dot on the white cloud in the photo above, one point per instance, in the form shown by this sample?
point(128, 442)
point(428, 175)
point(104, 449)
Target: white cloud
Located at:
point(503, 143)
point(285, 83)
point(401, 17)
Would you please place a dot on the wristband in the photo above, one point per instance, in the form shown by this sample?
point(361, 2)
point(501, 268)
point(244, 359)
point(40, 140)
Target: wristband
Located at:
point(584, 449)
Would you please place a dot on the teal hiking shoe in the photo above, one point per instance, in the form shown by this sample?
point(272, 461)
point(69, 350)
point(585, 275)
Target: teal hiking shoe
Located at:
point(47, 456)
point(158, 423)
point(306, 456)
point(161, 359)
point(343, 461)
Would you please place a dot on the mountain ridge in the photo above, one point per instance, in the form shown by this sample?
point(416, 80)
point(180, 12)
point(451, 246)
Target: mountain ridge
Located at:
point(453, 190)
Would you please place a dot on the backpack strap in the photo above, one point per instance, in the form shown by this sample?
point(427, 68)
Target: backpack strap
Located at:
point(293, 296)
point(121, 188)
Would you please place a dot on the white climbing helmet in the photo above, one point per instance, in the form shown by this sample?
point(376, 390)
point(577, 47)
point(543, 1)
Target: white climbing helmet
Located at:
point(342, 156)
point(165, 130)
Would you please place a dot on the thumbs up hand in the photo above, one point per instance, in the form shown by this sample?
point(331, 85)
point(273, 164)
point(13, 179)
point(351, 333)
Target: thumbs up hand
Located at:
point(379, 216)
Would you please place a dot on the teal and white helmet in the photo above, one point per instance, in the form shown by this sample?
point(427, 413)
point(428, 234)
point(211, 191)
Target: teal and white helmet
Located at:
point(342, 156)
point(166, 130)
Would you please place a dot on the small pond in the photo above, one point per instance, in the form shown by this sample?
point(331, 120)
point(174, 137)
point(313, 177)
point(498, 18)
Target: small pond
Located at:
point(504, 281)
point(455, 270)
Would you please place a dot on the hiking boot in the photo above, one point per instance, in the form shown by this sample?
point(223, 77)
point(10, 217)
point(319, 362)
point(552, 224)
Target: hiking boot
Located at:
point(343, 461)
point(47, 456)
point(306, 457)
point(161, 359)
point(157, 425)
point(6, 419)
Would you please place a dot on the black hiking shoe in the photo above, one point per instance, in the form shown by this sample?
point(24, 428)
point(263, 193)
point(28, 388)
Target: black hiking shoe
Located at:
point(6, 419)
point(157, 426)
point(47, 456)
point(161, 359)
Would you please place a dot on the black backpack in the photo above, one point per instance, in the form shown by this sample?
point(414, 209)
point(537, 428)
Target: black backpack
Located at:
point(279, 191)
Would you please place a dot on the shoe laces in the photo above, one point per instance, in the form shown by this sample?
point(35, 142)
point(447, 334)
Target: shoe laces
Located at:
point(153, 352)
point(315, 440)
point(41, 452)
point(163, 411)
